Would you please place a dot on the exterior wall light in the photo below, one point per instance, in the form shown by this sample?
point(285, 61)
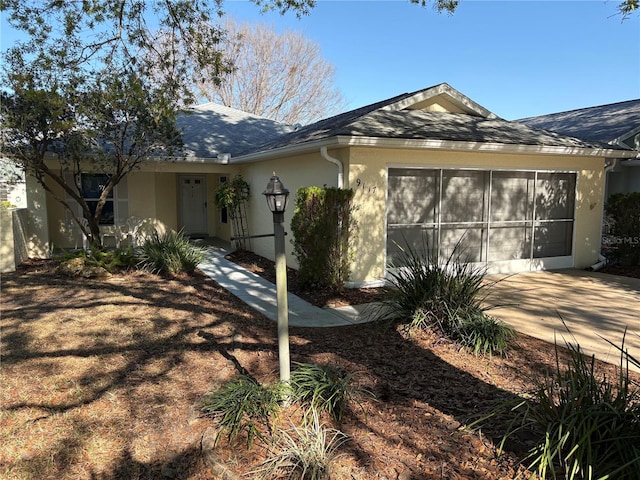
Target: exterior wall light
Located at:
point(276, 195)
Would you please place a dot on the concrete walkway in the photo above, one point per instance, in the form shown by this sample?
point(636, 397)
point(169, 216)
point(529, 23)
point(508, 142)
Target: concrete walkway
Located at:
point(260, 294)
point(592, 304)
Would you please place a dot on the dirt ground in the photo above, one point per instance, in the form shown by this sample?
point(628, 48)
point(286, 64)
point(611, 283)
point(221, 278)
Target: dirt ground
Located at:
point(101, 379)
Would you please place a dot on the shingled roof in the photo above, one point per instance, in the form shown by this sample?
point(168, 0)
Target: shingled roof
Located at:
point(211, 129)
point(604, 123)
point(404, 118)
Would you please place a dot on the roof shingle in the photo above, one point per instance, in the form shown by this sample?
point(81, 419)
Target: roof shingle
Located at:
point(604, 123)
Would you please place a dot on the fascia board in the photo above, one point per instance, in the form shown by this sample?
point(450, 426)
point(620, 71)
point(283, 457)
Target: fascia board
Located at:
point(449, 145)
point(186, 159)
point(297, 149)
point(50, 156)
point(455, 96)
point(620, 140)
point(484, 147)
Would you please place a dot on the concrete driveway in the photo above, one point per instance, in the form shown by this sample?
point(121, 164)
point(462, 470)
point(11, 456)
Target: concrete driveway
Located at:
point(592, 304)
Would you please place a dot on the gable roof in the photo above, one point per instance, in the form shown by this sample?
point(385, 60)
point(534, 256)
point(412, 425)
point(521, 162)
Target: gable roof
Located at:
point(423, 119)
point(211, 129)
point(611, 123)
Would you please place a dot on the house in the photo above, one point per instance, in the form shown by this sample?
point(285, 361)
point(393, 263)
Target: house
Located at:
point(615, 124)
point(173, 193)
point(431, 163)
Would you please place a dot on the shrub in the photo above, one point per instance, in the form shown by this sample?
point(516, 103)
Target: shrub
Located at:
point(232, 195)
point(588, 427)
point(447, 296)
point(485, 335)
point(243, 404)
point(303, 453)
point(110, 260)
point(323, 388)
point(624, 212)
point(323, 229)
point(169, 253)
point(426, 292)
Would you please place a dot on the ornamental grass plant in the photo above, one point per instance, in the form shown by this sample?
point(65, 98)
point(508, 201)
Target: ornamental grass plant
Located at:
point(587, 426)
point(170, 253)
point(304, 452)
point(444, 294)
point(244, 405)
point(323, 388)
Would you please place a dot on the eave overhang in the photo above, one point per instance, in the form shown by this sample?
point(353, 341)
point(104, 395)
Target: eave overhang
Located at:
point(430, 144)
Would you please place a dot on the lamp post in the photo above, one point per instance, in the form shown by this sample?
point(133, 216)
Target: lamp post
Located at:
point(276, 195)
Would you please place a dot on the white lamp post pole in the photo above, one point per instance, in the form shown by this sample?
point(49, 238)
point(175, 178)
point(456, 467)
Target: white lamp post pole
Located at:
point(281, 294)
point(276, 196)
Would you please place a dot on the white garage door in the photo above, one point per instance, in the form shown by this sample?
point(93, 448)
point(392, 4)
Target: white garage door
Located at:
point(509, 220)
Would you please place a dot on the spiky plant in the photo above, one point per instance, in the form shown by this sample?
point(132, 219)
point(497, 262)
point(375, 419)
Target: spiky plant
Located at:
point(324, 388)
point(587, 425)
point(303, 452)
point(169, 253)
point(242, 404)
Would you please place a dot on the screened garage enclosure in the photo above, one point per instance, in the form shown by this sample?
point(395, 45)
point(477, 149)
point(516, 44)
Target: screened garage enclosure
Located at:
point(508, 220)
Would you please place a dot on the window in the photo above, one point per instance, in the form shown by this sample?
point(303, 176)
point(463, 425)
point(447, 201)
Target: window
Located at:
point(494, 216)
point(92, 186)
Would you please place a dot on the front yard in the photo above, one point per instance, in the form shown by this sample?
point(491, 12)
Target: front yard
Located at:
point(101, 380)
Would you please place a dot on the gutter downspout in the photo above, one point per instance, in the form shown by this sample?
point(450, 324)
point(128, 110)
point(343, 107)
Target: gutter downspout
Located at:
point(602, 260)
point(336, 162)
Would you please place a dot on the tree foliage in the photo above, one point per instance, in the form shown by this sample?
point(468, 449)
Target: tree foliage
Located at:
point(281, 76)
point(99, 81)
point(78, 98)
point(106, 123)
point(232, 194)
point(627, 7)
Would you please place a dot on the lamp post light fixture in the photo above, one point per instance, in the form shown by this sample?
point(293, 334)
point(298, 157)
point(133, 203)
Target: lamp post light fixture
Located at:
point(276, 195)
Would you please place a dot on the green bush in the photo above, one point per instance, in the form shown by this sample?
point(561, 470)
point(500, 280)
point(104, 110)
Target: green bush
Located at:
point(243, 404)
point(485, 335)
point(323, 387)
point(587, 426)
point(624, 237)
point(169, 253)
point(232, 194)
point(323, 230)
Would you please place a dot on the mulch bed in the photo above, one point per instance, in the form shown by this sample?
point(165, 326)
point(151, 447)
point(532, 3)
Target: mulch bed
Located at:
point(101, 380)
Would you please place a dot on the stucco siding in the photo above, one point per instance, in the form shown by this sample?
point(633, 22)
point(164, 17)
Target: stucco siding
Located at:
point(13, 238)
point(62, 231)
point(294, 172)
point(367, 176)
point(166, 200)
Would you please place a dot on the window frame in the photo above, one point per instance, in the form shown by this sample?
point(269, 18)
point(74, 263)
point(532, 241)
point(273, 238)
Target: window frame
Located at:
point(486, 254)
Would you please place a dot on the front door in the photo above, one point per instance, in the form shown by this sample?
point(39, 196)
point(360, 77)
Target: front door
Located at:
point(193, 204)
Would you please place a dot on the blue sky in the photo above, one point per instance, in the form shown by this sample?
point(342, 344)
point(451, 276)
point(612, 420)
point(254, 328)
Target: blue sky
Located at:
point(515, 58)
